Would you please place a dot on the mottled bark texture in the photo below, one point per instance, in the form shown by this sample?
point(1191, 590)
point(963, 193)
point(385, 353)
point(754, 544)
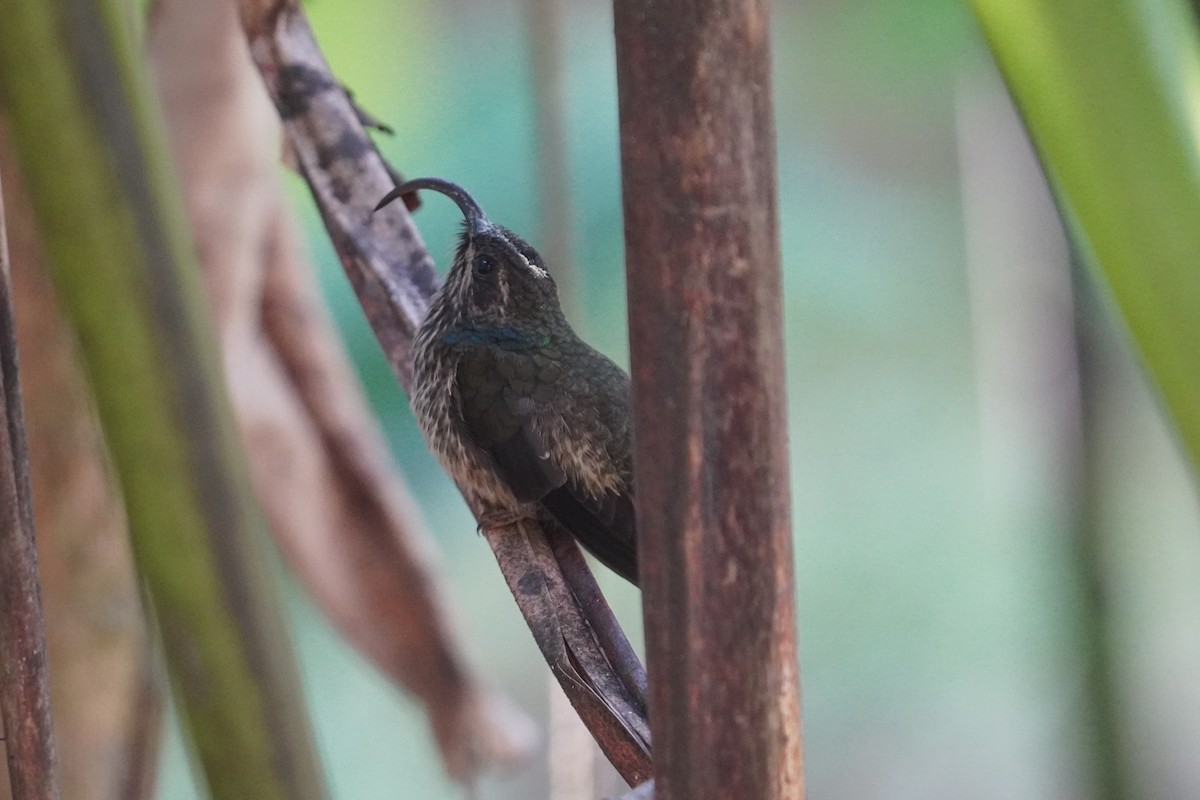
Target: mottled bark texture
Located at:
point(105, 709)
point(28, 736)
point(319, 464)
point(702, 248)
point(393, 276)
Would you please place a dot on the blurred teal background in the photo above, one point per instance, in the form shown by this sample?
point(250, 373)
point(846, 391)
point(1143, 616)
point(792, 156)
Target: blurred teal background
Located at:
point(940, 617)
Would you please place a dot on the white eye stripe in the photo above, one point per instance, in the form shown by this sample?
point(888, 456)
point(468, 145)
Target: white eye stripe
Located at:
point(538, 271)
point(534, 268)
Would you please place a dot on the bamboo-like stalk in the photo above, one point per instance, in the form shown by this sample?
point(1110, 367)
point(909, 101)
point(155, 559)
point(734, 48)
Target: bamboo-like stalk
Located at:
point(112, 220)
point(1109, 97)
point(710, 444)
point(24, 675)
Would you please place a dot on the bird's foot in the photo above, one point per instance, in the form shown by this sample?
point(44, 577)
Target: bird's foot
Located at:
point(501, 519)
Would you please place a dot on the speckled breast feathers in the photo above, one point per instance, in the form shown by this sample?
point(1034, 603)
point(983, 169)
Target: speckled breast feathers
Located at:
point(524, 415)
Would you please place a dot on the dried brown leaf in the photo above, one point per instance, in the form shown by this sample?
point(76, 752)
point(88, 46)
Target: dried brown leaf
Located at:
point(338, 508)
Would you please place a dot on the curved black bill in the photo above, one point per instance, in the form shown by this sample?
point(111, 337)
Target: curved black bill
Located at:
point(476, 219)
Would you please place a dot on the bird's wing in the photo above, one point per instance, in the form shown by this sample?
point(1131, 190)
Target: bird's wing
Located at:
point(499, 390)
point(597, 509)
point(604, 526)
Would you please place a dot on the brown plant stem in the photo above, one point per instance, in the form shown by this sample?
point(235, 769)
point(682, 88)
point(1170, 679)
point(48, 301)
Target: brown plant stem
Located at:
point(24, 675)
point(549, 604)
point(95, 631)
point(710, 454)
point(598, 614)
point(393, 276)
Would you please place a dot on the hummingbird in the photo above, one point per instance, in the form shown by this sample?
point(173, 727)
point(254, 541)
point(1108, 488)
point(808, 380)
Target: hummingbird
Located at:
point(528, 419)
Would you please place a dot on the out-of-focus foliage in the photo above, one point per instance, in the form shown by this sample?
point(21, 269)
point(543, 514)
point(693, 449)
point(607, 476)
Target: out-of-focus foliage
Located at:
point(94, 160)
point(936, 592)
point(1113, 102)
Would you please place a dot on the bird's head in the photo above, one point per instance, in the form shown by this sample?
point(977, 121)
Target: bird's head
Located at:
point(497, 278)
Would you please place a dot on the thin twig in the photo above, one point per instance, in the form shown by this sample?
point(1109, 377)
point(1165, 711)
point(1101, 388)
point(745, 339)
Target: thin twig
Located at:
point(394, 278)
point(24, 674)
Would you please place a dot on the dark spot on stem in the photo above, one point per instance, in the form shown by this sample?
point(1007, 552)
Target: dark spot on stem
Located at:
point(298, 84)
point(531, 583)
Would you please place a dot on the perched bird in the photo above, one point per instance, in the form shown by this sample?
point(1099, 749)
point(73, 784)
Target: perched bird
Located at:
point(521, 412)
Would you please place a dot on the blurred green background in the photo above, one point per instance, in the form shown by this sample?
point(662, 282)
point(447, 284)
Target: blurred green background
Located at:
point(941, 622)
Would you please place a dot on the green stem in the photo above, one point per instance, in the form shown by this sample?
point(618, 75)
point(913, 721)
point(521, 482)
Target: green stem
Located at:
point(112, 219)
point(1110, 93)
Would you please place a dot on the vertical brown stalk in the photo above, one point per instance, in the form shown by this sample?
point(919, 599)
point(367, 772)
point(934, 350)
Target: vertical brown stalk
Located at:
point(24, 675)
point(105, 724)
point(702, 247)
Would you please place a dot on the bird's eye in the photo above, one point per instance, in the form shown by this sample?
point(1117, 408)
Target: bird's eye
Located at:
point(484, 265)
